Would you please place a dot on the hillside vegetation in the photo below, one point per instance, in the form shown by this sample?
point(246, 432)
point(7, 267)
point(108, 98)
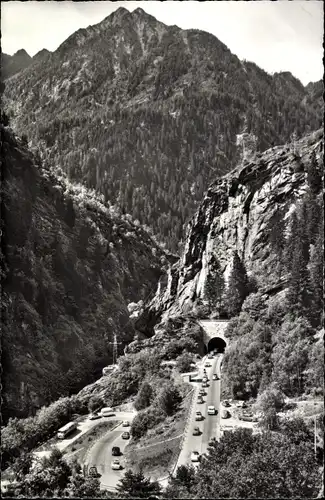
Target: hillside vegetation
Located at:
point(70, 266)
point(150, 114)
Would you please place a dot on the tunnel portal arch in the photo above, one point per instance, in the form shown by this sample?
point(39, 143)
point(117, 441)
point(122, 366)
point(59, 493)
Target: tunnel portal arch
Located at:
point(216, 343)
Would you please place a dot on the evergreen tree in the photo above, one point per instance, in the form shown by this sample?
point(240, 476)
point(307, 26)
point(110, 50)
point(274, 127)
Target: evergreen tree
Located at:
point(316, 273)
point(314, 176)
point(299, 287)
point(135, 484)
point(238, 287)
point(215, 285)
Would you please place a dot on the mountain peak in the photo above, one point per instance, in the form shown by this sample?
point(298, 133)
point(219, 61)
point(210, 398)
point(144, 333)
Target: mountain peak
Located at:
point(22, 53)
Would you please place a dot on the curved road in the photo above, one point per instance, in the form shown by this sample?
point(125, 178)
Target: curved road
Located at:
point(100, 454)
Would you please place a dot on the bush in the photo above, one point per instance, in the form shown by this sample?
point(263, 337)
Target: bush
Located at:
point(144, 397)
point(169, 399)
point(184, 362)
point(144, 420)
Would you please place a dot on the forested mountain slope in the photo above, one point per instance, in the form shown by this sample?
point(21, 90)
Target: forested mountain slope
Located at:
point(70, 266)
point(149, 114)
point(264, 219)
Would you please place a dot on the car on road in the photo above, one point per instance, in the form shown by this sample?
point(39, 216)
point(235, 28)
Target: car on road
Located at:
point(107, 412)
point(196, 431)
point(126, 435)
point(116, 452)
point(225, 414)
point(116, 465)
point(207, 364)
point(200, 400)
point(94, 416)
point(215, 377)
point(125, 423)
point(93, 472)
point(195, 456)
point(198, 415)
point(211, 410)
point(226, 403)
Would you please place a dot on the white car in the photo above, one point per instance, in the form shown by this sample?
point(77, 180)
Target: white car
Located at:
point(125, 423)
point(195, 456)
point(107, 412)
point(207, 364)
point(211, 410)
point(205, 379)
point(116, 465)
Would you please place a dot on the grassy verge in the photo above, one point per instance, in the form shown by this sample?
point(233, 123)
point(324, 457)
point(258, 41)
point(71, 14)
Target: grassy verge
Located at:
point(158, 451)
point(157, 460)
point(79, 448)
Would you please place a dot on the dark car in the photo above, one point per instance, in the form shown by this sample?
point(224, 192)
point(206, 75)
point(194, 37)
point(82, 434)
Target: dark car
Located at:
point(93, 472)
point(116, 452)
point(196, 431)
point(126, 435)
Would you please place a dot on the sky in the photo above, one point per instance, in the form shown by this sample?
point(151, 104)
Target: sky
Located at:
point(277, 36)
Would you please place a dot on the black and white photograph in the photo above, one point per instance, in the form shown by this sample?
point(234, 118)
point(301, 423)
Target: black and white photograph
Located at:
point(162, 256)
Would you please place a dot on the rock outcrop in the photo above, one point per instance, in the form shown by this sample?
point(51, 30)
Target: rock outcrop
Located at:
point(237, 214)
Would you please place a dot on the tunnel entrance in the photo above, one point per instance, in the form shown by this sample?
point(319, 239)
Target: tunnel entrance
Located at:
point(217, 344)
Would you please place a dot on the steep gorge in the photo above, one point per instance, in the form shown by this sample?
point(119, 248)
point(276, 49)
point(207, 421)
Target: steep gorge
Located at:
point(70, 266)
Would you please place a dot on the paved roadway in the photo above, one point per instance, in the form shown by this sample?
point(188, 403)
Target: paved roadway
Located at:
point(100, 454)
point(210, 425)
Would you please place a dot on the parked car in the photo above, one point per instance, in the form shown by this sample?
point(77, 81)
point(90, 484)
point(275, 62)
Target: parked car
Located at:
point(94, 416)
point(205, 384)
point(200, 400)
point(212, 441)
point(225, 414)
point(93, 472)
point(211, 410)
point(207, 364)
point(205, 379)
point(215, 377)
point(198, 415)
point(116, 465)
point(195, 456)
point(125, 423)
point(196, 431)
point(126, 435)
point(116, 452)
point(210, 356)
point(202, 392)
point(226, 403)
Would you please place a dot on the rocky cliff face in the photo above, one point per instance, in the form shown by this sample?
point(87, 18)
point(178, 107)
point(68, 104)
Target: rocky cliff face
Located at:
point(238, 213)
point(149, 114)
point(70, 266)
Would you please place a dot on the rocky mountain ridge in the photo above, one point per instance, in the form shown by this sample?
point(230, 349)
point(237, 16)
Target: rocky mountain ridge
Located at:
point(240, 212)
point(71, 264)
point(150, 114)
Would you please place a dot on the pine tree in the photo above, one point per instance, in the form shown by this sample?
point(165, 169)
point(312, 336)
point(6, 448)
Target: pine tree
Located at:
point(316, 281)
point(298, 253)
point(215, 285)
point(137, 485)
point(238, 287)
point(314, 176)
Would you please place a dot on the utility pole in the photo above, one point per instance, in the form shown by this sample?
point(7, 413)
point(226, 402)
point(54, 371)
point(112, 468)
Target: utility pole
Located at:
point(315, 440)
point(115, 348)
